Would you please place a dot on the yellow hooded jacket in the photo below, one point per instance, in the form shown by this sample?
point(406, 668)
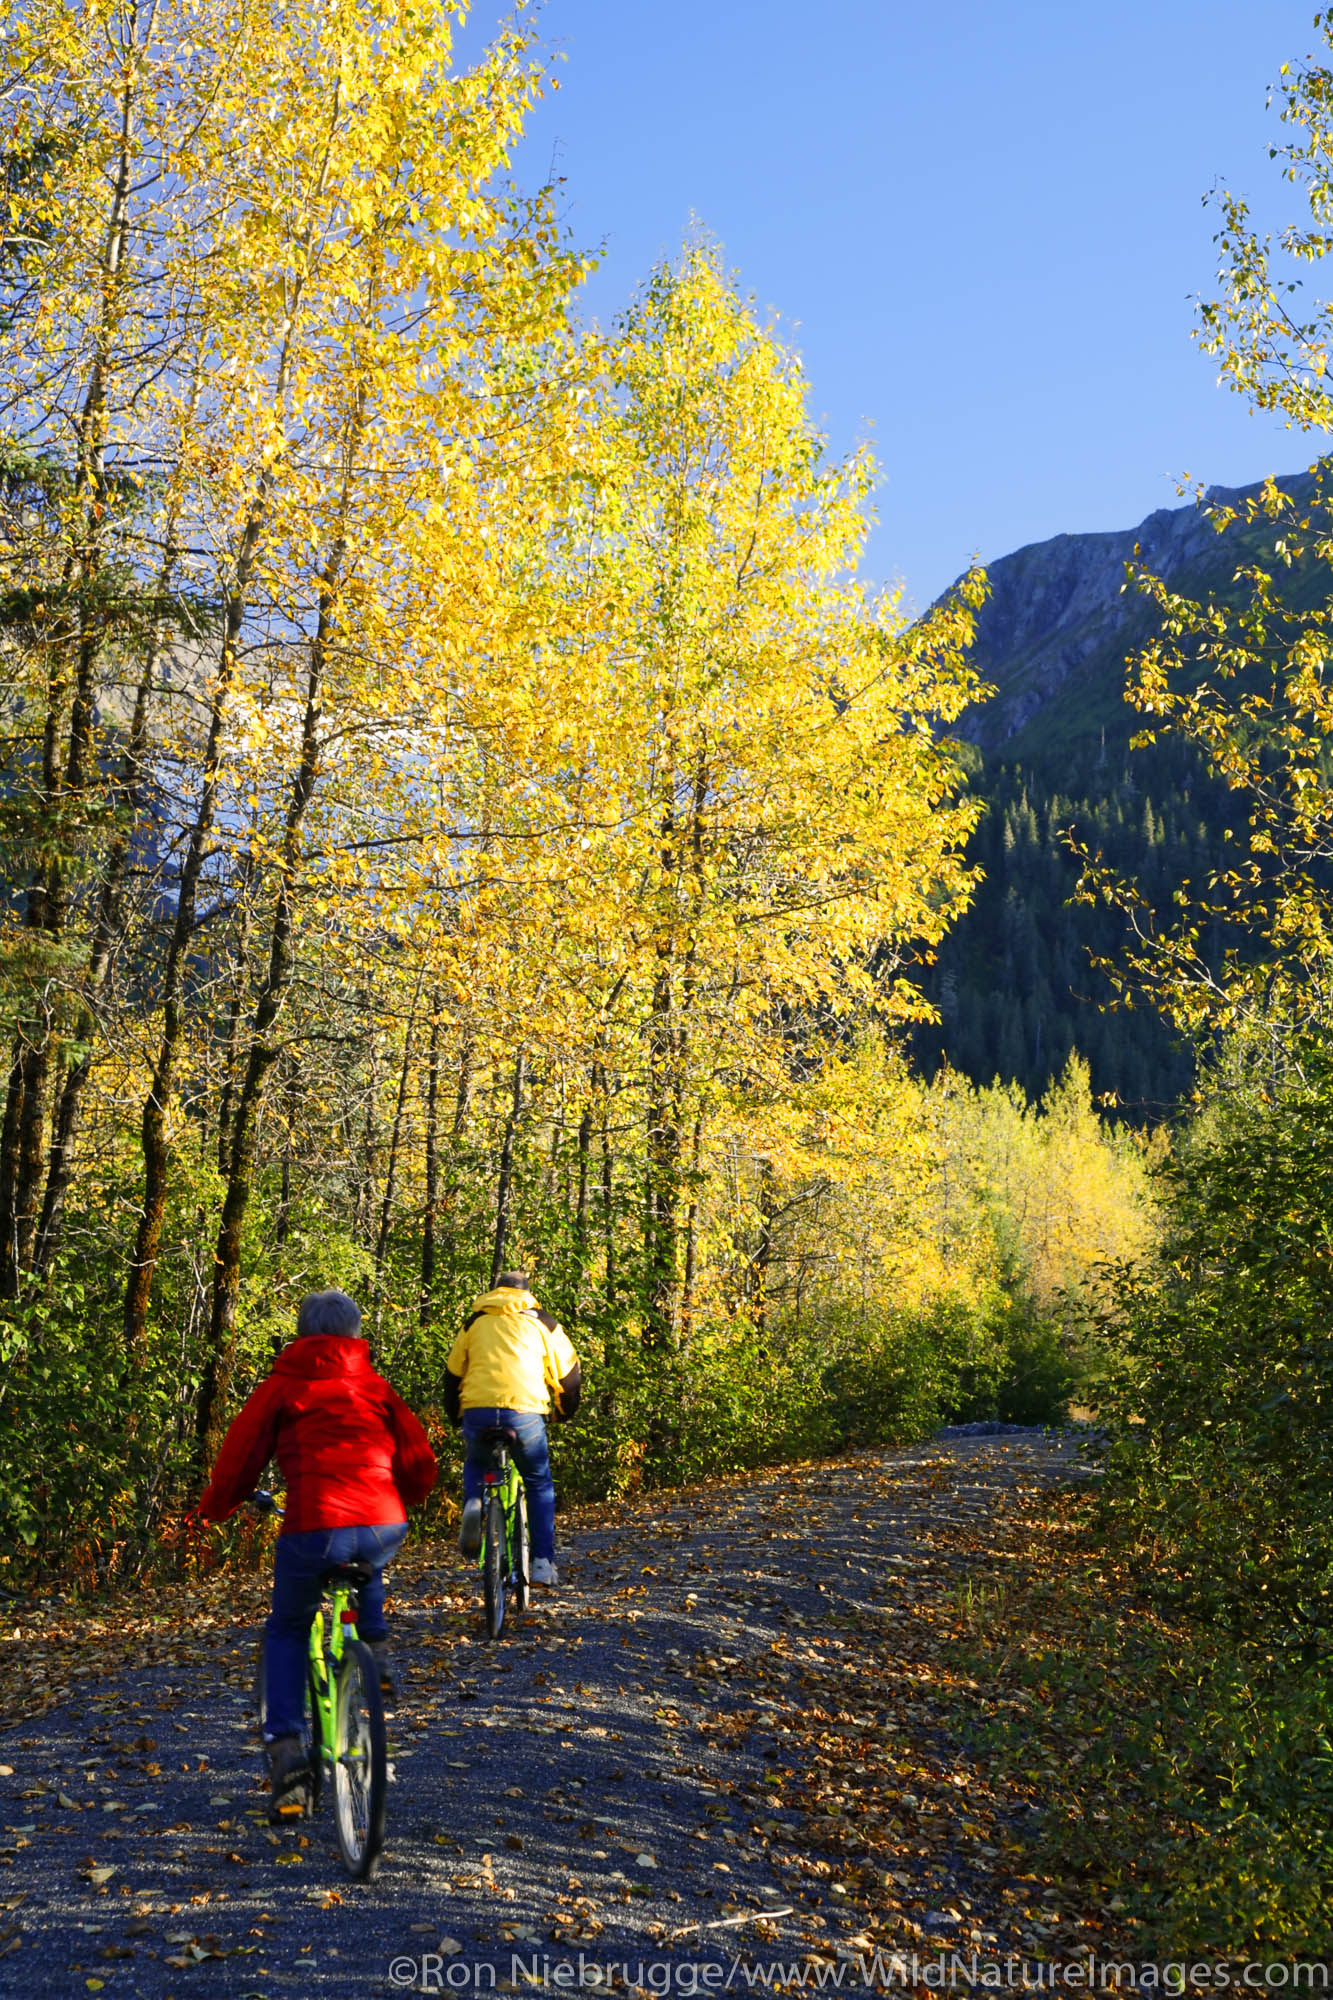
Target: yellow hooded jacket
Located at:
point(512, 1356)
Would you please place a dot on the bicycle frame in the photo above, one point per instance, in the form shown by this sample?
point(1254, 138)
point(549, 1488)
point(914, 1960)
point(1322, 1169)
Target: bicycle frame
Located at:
point(324, 1664)
point(510, 1483)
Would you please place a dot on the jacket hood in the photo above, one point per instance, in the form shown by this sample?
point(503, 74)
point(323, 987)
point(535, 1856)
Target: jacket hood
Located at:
point(324, 1354)
point(505, 1299)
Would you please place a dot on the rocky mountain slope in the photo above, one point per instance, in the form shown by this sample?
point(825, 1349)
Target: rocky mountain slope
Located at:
point(1060, 620)
point(1014, 980)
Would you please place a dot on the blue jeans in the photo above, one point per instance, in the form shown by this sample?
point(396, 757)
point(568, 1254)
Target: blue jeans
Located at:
point(533, 1460)
point(299, 1561)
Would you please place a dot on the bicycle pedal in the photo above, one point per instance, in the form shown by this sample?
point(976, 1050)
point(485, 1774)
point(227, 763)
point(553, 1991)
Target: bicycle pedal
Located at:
point(298, 1803)
point(288, 1811)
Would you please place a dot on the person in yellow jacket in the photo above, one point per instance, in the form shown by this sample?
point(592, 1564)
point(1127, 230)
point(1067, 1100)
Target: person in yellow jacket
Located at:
point(513, 1365)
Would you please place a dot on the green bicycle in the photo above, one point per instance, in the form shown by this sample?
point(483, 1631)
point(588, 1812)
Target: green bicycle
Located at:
point(503, 1557)
point(343, 1730)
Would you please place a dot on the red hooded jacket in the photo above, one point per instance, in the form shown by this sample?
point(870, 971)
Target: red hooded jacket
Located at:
point(350, 1450)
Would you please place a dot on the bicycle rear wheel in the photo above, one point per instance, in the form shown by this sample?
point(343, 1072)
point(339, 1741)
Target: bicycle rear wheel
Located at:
point(521, 1570)
point(493, 1564)
point(361, 1766)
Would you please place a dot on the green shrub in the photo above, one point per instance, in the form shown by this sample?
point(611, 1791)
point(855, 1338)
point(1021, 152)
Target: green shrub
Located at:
point(1223, 1398)
point(1041, 1370)
point(92, 1451)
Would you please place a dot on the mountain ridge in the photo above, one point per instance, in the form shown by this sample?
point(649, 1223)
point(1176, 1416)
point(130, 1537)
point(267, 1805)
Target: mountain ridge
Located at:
point(1014, 980)
point(1060, 619)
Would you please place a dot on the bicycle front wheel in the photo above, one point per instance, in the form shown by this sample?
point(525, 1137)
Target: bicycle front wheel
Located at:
point(493, 1565)
point(522, 1559)
point(361, 1763)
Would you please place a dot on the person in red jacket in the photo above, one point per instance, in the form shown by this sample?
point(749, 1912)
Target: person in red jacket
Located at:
point(354, 1458)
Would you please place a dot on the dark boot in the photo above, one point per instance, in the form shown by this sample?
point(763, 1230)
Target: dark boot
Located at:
point(469, 1528)
point(288, 1777)
point(379, 1649)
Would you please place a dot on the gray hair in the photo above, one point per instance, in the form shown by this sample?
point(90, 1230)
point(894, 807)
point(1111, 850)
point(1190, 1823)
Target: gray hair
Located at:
point(514, 1281)
point(329, 1313)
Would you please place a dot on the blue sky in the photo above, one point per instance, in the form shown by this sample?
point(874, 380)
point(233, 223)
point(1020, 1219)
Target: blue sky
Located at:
point(981, 224)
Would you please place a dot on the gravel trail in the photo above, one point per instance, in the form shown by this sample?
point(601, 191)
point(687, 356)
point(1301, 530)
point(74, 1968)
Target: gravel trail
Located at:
point(625, 1775)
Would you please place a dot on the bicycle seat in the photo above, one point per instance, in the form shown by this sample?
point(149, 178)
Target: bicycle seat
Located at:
point(356, 1575)
point(498, 1434)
